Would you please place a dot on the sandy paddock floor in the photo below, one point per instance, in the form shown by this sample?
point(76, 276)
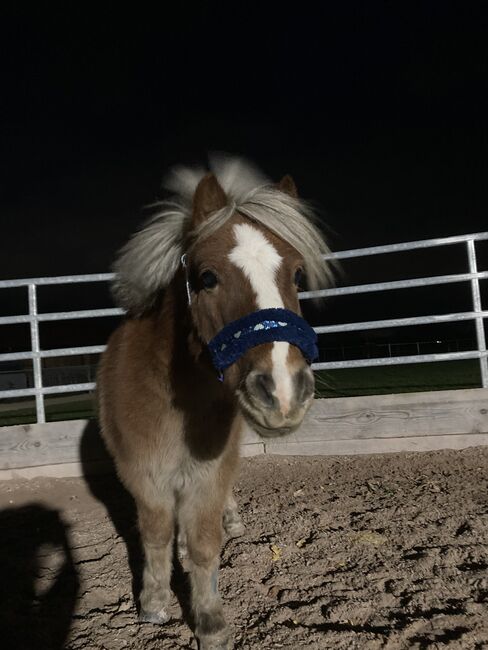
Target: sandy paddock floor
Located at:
point(340, 552)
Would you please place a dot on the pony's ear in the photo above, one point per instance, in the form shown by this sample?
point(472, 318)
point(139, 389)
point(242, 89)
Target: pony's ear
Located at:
point(287, 185)
point(208, 197)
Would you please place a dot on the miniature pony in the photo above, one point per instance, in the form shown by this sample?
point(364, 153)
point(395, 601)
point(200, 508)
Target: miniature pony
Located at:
point(213, 337)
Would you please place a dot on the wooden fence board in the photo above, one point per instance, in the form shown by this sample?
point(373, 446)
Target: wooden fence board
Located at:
point(377, 445)
point(372, 424)
point(40, 444)
point(395, 416)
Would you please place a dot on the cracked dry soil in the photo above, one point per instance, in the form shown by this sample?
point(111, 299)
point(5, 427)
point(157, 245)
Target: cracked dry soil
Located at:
point(370, 552)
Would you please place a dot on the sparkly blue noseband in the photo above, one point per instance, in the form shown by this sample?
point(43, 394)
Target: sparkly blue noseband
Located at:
point(263, 326)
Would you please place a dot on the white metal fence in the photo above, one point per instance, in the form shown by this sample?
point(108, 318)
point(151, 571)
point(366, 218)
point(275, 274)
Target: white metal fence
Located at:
point(477, 314)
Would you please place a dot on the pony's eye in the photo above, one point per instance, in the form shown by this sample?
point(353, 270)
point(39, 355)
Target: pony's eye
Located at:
point(208, 279)
point(298, 277)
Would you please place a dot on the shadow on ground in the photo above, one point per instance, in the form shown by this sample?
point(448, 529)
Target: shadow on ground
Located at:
point(37, 601)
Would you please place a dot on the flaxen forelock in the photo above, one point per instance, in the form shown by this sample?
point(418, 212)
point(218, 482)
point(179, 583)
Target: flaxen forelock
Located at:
point(150, 259)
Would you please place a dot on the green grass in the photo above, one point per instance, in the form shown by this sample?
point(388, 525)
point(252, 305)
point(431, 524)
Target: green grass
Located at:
point(66, 407)
point(335, 383)
point(408, 378)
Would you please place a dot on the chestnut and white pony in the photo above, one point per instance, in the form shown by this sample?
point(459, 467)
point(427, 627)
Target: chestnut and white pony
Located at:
point(172, 427)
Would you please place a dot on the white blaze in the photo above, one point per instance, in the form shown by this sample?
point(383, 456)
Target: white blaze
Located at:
point(259, 260)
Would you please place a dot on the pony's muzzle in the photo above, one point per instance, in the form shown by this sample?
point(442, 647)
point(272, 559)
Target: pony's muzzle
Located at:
point(275, 408)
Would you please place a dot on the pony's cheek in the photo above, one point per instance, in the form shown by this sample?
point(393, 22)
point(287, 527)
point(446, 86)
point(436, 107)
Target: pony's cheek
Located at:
point(206, 316)
point(234, 376)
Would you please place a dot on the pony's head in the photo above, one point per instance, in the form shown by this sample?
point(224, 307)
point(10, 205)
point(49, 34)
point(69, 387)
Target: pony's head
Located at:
point(247, 246)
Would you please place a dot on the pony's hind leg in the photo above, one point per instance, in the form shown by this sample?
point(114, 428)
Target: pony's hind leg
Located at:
point(156, 528)
point(232, 521)
point(181, 544)
point(203, 526)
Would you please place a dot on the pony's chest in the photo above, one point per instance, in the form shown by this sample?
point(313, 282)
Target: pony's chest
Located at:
point(183, 473)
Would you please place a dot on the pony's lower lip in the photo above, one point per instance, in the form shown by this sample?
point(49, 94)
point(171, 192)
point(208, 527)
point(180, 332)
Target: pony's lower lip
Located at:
point(272, 433)
point(269, 432)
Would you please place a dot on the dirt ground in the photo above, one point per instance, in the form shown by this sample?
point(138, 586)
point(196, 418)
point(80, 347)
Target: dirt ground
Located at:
point(340, 552)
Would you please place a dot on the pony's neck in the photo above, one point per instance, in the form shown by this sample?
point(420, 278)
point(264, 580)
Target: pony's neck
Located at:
point(180, 342)
point(189, 375)
point(187, 378)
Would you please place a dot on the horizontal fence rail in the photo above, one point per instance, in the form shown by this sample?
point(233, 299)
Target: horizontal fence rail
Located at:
point(477, 314)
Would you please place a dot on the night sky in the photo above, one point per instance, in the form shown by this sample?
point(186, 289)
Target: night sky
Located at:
point(378, 110)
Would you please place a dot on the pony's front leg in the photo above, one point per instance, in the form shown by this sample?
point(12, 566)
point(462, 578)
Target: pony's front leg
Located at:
point(156, 528)
point(204, 537)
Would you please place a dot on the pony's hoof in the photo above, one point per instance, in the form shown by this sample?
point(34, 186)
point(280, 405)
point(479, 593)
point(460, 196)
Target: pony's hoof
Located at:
point(234, 529)
point(158, 618)
point(216, 642)
point(212, 631)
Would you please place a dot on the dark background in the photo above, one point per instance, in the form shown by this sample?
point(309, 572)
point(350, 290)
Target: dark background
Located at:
point(378, 110)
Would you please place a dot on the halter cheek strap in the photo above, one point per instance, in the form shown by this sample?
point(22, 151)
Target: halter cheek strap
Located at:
point(263, 326)
point(184, 264)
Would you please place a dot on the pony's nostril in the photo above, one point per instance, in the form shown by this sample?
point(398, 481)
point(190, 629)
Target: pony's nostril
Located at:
point(262, 387)
point(304, 384)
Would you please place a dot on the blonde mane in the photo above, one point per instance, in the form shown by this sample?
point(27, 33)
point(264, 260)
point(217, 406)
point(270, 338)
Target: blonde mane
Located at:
point(150, 259)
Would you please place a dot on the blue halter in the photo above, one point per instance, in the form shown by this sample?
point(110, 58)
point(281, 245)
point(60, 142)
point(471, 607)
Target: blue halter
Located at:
point(263, 326)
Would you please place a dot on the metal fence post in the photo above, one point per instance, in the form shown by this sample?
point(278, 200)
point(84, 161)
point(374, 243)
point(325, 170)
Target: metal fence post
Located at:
point(36, 358)
point(480, 331)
